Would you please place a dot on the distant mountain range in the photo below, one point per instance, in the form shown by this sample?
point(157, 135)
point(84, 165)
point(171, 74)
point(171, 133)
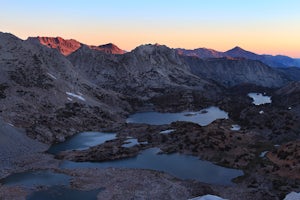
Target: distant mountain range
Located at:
point(66, 47)
point(237, 52)
point(230, 68)
point(284, 64)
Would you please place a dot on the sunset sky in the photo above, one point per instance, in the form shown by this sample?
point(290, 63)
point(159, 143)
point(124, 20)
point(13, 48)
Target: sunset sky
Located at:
point(261, 26)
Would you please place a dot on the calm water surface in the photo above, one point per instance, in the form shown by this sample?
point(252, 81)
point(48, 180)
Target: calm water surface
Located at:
point(82, 141)
point(36, 178)
point(179, 165)
point(63, 193)
point(203, 117)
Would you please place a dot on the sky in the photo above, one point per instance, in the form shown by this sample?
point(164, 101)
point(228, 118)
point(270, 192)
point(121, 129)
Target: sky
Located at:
point(261, 26)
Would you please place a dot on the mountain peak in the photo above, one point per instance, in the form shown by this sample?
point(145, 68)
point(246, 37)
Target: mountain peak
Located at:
point(150, 48)
point(65, 47)
point(237, 48)
point(238, 52)
point(109, 45)
point(109, 48)
point(68, 46)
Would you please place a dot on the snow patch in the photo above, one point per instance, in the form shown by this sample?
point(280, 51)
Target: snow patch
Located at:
point(70, 99)
point(144, 142)
point(10, 124)
point(130, 143)
point(78, 96)
point(167, 131)
point(292, 196)
point(259, 99)
point(52, 76)
point(261, 112)
point(235, 127)
point(263, 154)
point(208, 197)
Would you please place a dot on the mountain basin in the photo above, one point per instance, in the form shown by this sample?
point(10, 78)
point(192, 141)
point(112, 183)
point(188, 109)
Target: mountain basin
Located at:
point(178, 165)
point(203, 117)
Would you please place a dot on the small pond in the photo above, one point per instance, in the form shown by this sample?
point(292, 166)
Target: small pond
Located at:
point(36, 178)
point(82, 141)
point(55, 186)
point(259, 99)
point(203, 117)
point(179, 165)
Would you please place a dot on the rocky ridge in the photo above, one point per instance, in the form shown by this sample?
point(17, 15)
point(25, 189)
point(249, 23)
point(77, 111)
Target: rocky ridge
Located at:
point(65, 47)
point(238, 52)
point(108, 48)
point(68, 46)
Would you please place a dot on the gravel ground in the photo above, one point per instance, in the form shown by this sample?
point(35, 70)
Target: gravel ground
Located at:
point(16, 147)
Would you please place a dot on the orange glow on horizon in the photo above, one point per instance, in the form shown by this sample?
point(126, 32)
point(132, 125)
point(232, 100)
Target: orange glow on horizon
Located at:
point(255, 44)
point(264, 27)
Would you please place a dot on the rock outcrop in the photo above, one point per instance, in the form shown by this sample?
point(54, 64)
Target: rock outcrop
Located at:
point(287, 160)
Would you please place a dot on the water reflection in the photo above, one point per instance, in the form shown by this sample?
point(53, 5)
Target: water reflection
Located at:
point(203, 117)
point(179, 165)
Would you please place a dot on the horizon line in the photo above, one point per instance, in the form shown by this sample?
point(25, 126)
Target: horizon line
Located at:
point(153, 43)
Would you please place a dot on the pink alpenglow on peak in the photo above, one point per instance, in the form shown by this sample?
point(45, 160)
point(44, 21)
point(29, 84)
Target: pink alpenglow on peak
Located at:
point(68, 46)
point(65, 47)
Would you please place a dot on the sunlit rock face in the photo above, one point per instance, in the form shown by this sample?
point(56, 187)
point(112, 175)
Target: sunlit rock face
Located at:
point(65, 47)
point(68, 46)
